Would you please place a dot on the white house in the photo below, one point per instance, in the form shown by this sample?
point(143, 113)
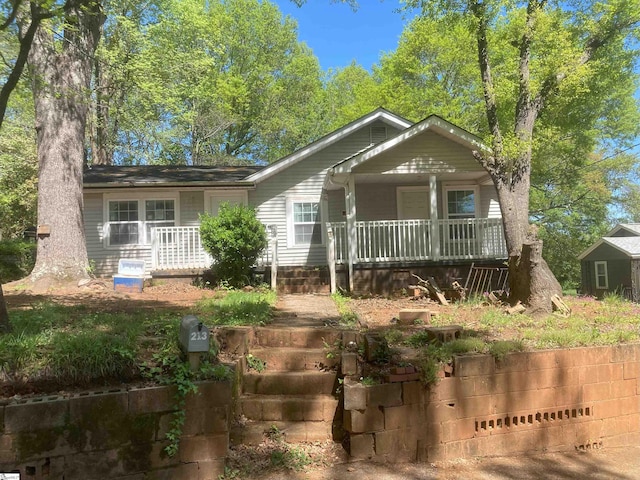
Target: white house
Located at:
point(378, 199)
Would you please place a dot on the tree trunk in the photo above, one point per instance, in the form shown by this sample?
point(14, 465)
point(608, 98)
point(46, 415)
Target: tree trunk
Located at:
point(101, 139)
point(62, 75)
point(5, 326)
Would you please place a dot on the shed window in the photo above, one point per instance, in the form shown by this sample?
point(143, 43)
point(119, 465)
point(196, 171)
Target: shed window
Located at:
point(461, 205)
point(602, 279)
point(123, 222)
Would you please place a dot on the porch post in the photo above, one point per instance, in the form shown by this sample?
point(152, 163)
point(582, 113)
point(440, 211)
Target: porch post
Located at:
point(435, 227)
point(352, 240)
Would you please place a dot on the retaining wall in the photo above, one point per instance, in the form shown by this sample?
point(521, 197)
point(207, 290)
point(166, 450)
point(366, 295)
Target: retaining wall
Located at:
point(553, 400)
point(116, 435)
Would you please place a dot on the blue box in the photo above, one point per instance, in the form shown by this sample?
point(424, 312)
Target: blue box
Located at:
point(127, 284)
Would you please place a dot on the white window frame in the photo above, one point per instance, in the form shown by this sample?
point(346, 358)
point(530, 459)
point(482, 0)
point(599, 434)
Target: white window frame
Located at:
point(141, 198)
point(598, 276)
point(462, 187)
point(291, 237)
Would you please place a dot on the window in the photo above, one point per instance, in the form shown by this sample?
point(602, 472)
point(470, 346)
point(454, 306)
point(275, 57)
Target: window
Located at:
point(130, 221)
point(306, 223)
point(123, 222)
point(602, 279)
point(159, 213)
point(461, 204)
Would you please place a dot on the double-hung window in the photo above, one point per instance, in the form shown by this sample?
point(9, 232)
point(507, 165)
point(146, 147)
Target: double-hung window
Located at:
point(461, 205)
point(130, 221)
point(306, 223)
point(602, 278)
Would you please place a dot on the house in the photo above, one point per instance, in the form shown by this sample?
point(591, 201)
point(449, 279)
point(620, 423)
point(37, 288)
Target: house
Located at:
point(612, 264)
point(370, 203)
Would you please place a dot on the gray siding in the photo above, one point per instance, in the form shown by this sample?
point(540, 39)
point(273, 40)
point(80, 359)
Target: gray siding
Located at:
point(618, 270)
point(426, 153)
point(489, 206)
point(191, 206)
point(306, 179)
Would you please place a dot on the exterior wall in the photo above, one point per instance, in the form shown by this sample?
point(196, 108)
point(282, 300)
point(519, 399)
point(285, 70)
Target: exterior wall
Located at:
point(191, 206)
point(305, 179)
point(116, 435)
point(553, 400)
point(425, 153)
point(618, 270)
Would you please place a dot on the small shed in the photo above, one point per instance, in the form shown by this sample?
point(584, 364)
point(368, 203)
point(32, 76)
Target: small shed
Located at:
point(612, 264)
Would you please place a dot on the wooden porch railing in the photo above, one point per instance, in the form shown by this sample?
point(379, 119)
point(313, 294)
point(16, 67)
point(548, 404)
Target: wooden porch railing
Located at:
point(179, 248)
point(411, 240)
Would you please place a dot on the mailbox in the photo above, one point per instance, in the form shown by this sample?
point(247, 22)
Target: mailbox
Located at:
point(194, 335)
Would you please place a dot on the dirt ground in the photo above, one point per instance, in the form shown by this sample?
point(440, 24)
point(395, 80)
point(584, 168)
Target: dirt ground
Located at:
point(606, 463)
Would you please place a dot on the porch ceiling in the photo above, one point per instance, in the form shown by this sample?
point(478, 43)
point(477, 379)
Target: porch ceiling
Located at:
point(481, 178)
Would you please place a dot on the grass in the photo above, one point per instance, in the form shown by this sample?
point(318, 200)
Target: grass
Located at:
point(72, 345)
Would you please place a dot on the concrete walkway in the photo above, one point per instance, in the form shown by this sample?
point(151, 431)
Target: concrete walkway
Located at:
point(305, 310)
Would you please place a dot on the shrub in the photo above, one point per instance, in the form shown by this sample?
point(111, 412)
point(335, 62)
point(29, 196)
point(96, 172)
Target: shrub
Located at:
point(234, 238)
point(17, 258)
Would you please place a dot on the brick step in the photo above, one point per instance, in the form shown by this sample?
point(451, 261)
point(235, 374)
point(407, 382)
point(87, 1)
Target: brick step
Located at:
point(294, 289)
point(302, 281)
point(303, 273)
point(253, 433)
point(296, 337)
point(295, 359)
point(290, 383)
point(289, 408)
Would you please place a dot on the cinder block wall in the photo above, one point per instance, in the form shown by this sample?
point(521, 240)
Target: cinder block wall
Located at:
point(116, 434)
point(551, 400)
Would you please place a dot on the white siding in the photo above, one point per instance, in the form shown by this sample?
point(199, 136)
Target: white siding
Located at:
point(489, 206)
point(425, 153)
point(191, 206)
point(306, 179)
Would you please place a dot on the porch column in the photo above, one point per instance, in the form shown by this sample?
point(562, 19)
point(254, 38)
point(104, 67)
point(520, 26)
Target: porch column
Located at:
point(435, 228)
point(352, 240)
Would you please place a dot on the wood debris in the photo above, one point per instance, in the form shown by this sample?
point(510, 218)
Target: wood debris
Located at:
point(431, 288)
point(516, 309)
point(559, 307)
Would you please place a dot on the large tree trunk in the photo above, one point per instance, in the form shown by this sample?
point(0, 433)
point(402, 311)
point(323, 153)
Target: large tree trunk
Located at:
point(62, 75)
point(5, 326)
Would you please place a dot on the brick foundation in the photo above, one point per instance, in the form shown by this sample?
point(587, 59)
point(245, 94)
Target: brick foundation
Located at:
point(529, 402)
point(116, 434)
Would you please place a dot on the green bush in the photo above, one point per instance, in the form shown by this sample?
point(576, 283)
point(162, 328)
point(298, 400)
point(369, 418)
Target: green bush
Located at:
point(17, 258)
point(235, 238)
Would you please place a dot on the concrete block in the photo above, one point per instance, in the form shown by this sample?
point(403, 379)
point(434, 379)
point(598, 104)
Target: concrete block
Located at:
point(369, 420)
point(385, 395)
point(211, 469)
point(40, 413)
point(625, 353)
point(473, 365)
point(213, 394)
point(152, 400)
point(388, 442)
point(185, 471)
point(631, 370)
point(355, 395)
point(401, 417)
point(86, 408)
point(373, 345)
point(361, 446)
point(349, 365)
point(203, 421)
point(443, 334)
point(235, 340)
point(411, 316)
point(413, 392)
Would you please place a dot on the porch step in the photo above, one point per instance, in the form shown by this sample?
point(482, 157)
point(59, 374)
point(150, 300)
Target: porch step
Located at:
point(285, 289)
point(296, 337)
point(303, 280)
point(254, 433)
point(290, 383)
point(296, 359)
point(304, 273)
point(289, 408)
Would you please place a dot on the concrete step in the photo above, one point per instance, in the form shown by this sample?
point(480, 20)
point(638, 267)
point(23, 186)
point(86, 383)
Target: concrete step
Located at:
point(296, 359)
point(253, 433)
point(289, 408)
point(308, 337)
point(306, 288)
point(290, 383)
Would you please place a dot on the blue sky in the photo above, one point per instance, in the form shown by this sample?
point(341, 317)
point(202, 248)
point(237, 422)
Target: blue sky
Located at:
point(338, 35)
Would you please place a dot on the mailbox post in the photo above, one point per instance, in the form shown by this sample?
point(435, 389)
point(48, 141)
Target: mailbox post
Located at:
point(194, 339)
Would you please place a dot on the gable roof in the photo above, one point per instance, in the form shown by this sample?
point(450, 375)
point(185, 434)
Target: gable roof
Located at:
point(432, 122)
point(110, 176)
point(378, 114)
point(633, 228)
point(630, 246)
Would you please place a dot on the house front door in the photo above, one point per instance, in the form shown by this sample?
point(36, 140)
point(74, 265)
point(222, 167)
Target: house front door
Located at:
point(232, 198)
point(413, 203)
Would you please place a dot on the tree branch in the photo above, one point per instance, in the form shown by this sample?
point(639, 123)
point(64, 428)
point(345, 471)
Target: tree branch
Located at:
point(15, 5)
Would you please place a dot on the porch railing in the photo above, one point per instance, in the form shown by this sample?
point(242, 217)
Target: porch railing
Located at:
point(179, 248)
point(411, 240)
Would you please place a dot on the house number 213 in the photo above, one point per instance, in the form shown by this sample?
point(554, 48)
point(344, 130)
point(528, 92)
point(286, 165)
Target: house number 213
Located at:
point(198, 335)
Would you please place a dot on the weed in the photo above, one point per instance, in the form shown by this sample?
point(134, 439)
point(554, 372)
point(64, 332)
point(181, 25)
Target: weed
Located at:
point(348, 317)
point(254, 363)
point(274, 434)
point(501, 348)
point(393, 336)
point(368, 381)
point(417, 340)
point(238, 308)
